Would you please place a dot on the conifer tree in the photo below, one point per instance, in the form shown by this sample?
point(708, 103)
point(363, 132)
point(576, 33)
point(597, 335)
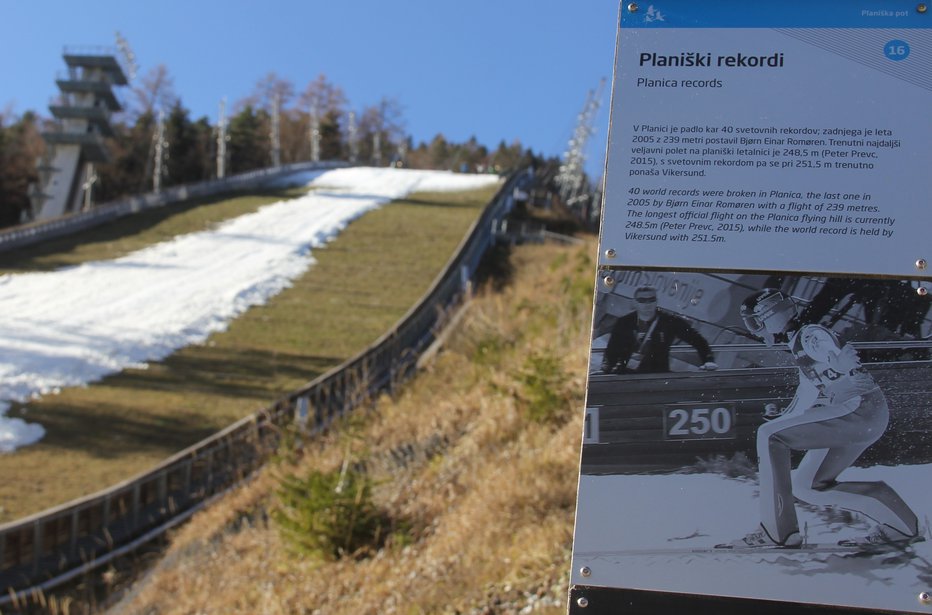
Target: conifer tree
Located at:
point(188, 144)
point(331, 137)
point(130, 168)
point(249, 142)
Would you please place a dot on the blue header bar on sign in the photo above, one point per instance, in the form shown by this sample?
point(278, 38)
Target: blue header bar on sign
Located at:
point(782, 14)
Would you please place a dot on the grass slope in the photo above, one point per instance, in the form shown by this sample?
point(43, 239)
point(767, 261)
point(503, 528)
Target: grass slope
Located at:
point(362, 284)
point(477, 459)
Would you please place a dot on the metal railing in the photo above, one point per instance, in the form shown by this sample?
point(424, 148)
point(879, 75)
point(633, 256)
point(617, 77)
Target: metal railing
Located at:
point(533, 232)
point(57, 545)
point(35, 232)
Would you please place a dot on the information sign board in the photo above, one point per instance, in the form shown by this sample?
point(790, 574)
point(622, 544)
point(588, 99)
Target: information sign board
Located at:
point(759, 407)
point(770, 135)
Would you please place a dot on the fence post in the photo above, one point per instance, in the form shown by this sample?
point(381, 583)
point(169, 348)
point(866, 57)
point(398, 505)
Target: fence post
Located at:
point(186, 478)
point(319, 407)
point(73, 538)
point(105, 517)
point(36, 545)
point(134, 507)
point(163, 490)
point(301, 412)
point(209, 478)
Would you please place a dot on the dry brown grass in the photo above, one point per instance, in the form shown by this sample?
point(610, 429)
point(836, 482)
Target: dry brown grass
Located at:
point(488, 492)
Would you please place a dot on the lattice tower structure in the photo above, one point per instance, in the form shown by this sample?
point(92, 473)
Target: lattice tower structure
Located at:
point(571, 177)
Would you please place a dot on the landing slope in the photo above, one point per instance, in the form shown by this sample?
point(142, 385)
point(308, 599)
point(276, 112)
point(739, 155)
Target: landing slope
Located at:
point(128, 316)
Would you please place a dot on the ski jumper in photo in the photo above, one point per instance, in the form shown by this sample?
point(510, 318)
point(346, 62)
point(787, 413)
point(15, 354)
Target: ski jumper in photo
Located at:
point(838, 411)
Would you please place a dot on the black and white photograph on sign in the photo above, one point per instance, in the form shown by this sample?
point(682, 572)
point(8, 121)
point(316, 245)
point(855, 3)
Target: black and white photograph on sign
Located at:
point(783, 421)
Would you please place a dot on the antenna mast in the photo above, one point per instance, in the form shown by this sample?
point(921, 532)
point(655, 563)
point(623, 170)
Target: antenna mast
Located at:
point(161, 154)
point(88, 185)
point(276, 131)
point(352, 131)
point(222, 139)
point(377, 148)
point(315, 135)
point(129, 58)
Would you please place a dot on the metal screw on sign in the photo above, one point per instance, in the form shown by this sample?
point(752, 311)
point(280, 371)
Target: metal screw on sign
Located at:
point(585, 571)
point(582, 602)
point(610, 253)
point(925, 598)
point(921, 264)
point(922, 8)
point(633, 7)
point(609, 280)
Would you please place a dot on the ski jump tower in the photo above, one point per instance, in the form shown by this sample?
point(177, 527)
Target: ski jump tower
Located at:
point(66, 172)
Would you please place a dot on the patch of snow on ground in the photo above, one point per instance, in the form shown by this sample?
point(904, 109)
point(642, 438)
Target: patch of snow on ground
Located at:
point(76, 325)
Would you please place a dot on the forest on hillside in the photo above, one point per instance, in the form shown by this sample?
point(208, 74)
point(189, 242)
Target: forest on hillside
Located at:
point(376, 134)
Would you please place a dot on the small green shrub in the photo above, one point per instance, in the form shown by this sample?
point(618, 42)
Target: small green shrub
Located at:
point(559, 261)
point(489, 350)
point(330, 514)
point(543, 388)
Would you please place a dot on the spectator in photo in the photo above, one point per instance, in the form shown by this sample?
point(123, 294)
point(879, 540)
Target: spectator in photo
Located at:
point(640, 341)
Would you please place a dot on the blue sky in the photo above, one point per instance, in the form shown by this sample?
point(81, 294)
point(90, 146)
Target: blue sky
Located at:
point(496, 69)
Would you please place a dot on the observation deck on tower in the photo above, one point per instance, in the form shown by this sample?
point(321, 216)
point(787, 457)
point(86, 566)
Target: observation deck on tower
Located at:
point(83, 110)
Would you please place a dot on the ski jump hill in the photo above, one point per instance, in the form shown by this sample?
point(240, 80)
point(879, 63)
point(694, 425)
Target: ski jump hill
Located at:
point(151, 302)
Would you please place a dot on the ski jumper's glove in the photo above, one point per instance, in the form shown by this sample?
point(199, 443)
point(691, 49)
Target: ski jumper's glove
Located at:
point(845, 361)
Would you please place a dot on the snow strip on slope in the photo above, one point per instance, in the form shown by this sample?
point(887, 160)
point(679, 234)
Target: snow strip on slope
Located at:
point(76, 325)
